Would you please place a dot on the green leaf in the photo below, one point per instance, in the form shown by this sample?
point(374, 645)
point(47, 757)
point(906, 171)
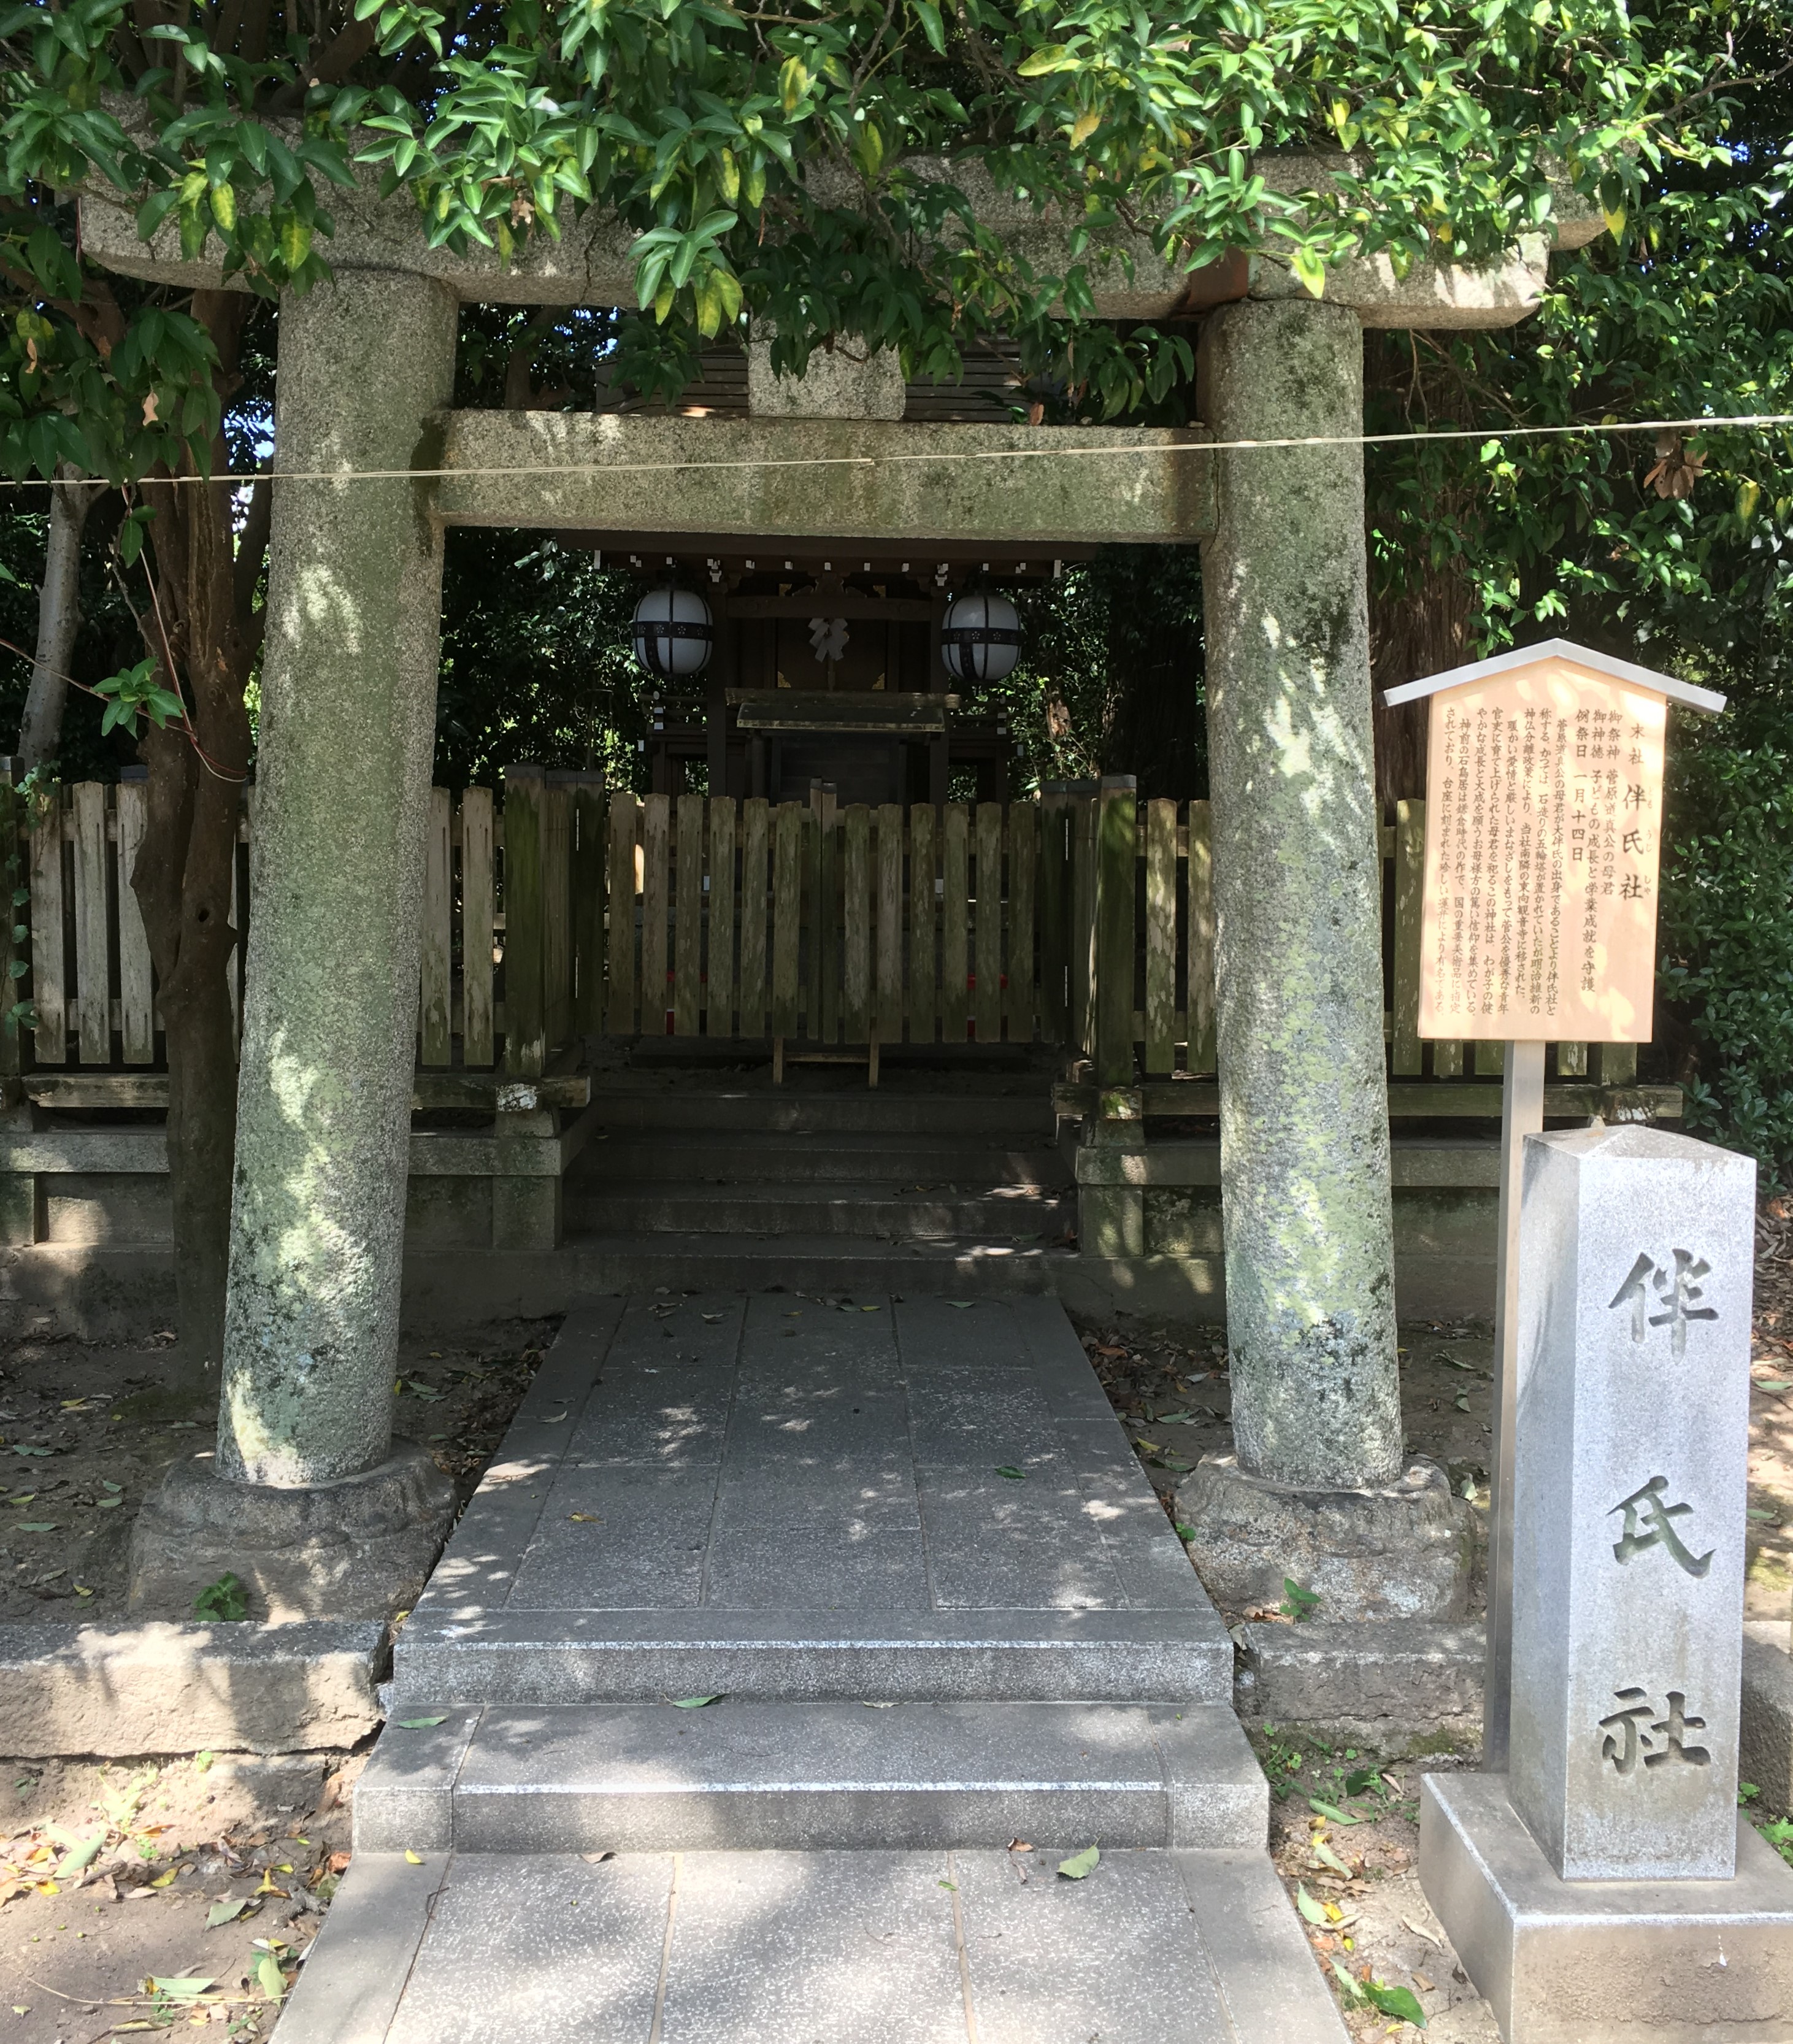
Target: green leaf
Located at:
point(225, 1912)
point(1048, 58)
point(1311, 270)
point(1326, 1856)
point(1081, 1865)
point(269, 1977)
point(1308, 1907)
point(35, 1525)
point(225, 1601)
point(1397, 2001)
point(694, 1703)
point(1009, 1470)
point(185, 1989)
point(421, 1724)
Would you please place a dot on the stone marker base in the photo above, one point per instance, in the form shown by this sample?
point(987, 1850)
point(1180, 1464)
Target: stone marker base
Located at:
point(1605, 1962)
point(1400, 1550)
point(362, 1547)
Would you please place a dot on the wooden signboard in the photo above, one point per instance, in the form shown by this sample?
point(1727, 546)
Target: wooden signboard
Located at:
point(1543, 836)
point(1543, 833)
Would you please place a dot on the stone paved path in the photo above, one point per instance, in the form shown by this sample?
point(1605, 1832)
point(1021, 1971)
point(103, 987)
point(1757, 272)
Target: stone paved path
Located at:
point(905, 1548)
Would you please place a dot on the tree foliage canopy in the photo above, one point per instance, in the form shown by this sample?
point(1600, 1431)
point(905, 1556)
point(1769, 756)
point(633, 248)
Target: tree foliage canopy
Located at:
point(818, 164)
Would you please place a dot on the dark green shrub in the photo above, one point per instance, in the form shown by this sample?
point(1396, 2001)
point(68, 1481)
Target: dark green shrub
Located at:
point(1727, 938)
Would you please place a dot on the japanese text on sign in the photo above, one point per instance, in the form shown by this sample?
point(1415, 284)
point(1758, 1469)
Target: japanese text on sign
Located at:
point(1544, 808)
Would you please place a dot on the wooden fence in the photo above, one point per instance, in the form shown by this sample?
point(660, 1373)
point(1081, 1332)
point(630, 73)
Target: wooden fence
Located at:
point(1082, 919)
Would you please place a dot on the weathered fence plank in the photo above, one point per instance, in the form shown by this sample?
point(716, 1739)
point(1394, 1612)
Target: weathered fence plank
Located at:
point(888, 997)
point(619, 939)
point(136, 976)
point(557, 914)
point(822, 1023)
point(49, 981)
point(1117, 854)
point(955, 960)
point(986, 928)
point(756, 848)
point(1160, 939)
point(656, 854)
point(588, 909)
point(1054, 916)
point(924, 983)
point(1083, 925)
point(436, 937)
point(1024, 843)
point(718, 982)
point(93, 977)
point(688, 916)
point(525, 1023)
point(1406, 1052)
point(1199, 884)
point(856, 924)
point(787, 910)
point(477, 931)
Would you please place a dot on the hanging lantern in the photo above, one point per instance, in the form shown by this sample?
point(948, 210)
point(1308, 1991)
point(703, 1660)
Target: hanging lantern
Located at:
point(673, 632)
point(981, 640)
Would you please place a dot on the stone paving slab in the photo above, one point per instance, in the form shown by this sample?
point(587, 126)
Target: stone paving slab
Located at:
point(941, 1947)
point(645, 1778)
point(705, 1489)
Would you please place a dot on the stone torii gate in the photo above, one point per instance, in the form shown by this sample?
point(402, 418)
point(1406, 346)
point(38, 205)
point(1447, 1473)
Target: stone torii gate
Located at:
point(374, 466)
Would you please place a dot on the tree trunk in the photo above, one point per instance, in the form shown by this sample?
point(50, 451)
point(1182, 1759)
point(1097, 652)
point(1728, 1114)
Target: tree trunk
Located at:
point(200, 632)
point(58, 618)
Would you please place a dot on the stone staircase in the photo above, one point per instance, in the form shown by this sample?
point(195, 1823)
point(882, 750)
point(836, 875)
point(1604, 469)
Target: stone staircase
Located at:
point(788, 1647)
point(938, 1180)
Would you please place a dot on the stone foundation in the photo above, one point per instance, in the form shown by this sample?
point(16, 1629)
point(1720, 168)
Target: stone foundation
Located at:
point(361, 1547)
point(1397, 1551)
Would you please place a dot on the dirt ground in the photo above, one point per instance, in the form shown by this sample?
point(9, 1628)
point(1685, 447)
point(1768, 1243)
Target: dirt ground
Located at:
point(139, 1894)
point(91, 1946)
point(86, 1431)
point(113, 1939)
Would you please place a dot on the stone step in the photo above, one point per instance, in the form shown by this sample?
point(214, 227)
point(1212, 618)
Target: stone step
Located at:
point(1002, 1213)
point(721, 1110)
point(933, 1947)
point(896, 1162)
point(628, 1262)
point(738, 1775)
point(543, 1658)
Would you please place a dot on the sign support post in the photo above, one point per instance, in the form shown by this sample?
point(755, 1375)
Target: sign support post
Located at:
point(1522, 1114)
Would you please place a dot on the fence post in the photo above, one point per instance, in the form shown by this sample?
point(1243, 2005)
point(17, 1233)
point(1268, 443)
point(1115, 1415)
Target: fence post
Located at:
point(1116, 880)
point(18, 1191)
point(1111, 1207)
point(525, 1017)
point(1054, 913)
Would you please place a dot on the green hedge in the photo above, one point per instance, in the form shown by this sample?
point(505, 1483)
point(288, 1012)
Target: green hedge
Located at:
point(1727, 938)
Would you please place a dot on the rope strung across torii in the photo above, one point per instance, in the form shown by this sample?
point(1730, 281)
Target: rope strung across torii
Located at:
point(1757, 421)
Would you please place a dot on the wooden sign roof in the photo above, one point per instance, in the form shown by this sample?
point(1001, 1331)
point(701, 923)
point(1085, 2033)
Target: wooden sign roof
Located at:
point(1683, 693)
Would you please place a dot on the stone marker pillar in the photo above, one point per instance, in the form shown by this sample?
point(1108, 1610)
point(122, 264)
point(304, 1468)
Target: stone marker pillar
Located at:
point(307, 1502)
point(1631, 1466)
point(1631, 1456)
point(1319, 1490)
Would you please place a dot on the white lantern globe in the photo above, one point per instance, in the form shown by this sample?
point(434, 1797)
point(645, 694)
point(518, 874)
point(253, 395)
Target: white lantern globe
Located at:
point(980, 640)
point(673, 633)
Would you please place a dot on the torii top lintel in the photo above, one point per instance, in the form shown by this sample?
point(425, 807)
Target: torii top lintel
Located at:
point(592, 263)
